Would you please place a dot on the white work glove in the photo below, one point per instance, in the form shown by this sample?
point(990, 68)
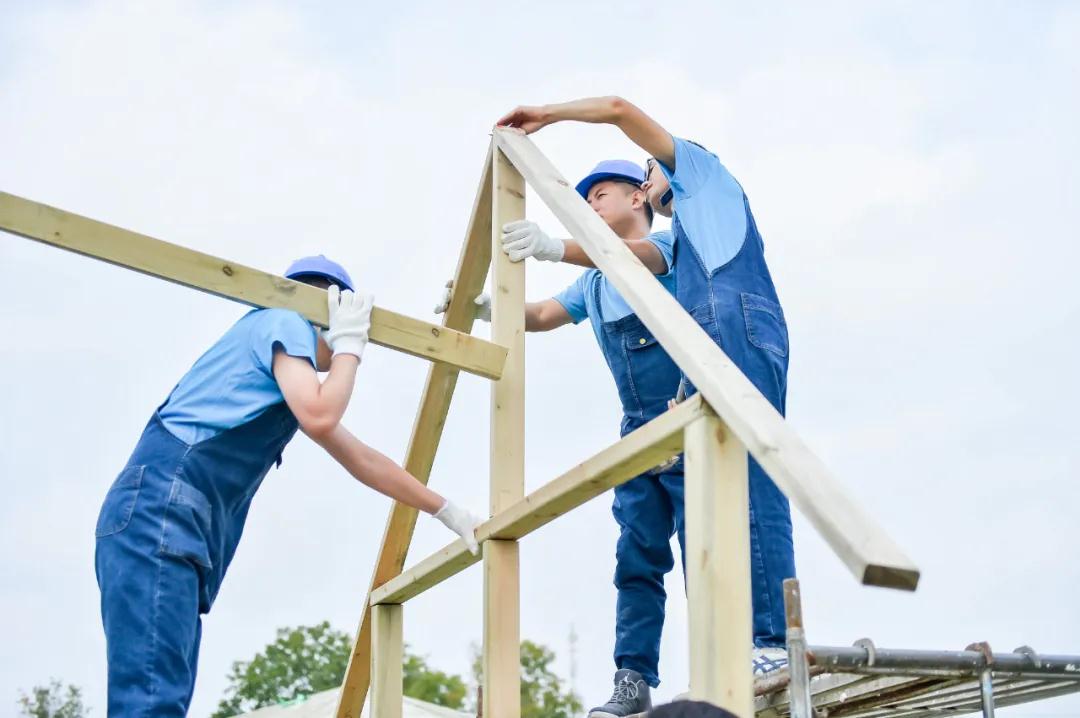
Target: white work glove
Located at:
point(523, 239)
point(483, 305)
point(350, 321)
point(462, 522)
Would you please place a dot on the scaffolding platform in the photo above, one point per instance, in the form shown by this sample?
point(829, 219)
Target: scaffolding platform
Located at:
point(868, 682)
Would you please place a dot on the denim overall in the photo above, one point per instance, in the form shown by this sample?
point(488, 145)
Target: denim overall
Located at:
point(736, 305)
point(648, 508)
point(166, 534)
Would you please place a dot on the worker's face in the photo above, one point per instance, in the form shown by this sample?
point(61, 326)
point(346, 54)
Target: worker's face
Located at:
point(615, 202)
point(656, 186)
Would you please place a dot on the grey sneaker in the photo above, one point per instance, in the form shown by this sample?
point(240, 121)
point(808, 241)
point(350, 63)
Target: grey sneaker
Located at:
point(631, 697)
point(768, 660)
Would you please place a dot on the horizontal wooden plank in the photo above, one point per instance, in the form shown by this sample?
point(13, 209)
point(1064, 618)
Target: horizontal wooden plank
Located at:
point(636, 453)
point(863, 546)
point(230, 280)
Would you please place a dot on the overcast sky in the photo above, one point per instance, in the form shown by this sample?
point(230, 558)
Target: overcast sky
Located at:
point(913, 172)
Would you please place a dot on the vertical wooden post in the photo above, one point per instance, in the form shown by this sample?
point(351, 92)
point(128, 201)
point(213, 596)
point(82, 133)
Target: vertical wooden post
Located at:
point(501, 660)
point(387, 653)
point(718, 567)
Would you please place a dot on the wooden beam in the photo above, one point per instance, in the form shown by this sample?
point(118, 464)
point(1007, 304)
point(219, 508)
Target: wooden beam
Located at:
point(501, 664)
point(718, 567)
point(387, 654)
point(468, 282)
point(866, 549)
point(501, 671)
point(230, 280)
point(637, 452)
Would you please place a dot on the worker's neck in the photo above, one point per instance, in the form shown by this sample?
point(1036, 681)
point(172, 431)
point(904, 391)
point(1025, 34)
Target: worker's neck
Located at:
point(633, 228)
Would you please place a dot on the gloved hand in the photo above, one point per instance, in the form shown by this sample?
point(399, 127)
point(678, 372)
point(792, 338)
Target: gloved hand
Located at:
point(350, 321)
point(523, 239)
point(483, 305)
point(461, 522)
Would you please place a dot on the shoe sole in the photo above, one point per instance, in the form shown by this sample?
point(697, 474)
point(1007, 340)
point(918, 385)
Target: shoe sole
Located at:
point(605, 714)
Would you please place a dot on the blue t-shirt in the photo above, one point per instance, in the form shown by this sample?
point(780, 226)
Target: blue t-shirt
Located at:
point(233, 382)
point(579, 298)
point(708, 203)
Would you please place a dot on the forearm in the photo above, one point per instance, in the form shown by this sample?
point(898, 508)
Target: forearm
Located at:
point(588, 109)
point(574, 254)
point(638, 127)
point(377, 471)
point(643, 249)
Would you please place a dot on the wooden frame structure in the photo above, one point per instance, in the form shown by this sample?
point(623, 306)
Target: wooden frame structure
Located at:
point(716, 428)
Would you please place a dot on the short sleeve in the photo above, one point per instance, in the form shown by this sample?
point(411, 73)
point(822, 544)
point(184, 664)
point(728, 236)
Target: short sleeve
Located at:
point(665, 242)
point(573, 299)
point(694, 165)
point(281, 327)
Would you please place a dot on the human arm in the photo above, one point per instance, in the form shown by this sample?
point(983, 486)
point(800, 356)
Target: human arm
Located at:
point(641, 129)
point(318, 409)
point(524, 238)
point(539, 316)
point(317, 406)
point(643, 249)
point(377, 471)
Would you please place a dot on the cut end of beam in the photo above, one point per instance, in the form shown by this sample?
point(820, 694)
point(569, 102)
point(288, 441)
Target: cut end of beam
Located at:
point(904, 579)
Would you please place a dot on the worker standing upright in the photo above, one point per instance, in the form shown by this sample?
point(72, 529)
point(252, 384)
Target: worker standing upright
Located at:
point(723, 281)
point(648, 508)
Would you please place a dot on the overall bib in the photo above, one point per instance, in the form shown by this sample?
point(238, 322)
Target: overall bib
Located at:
point(737, 306)
point(166, 534)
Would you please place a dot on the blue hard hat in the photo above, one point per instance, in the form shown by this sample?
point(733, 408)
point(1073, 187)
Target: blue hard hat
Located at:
point(320, 266)
point(621, 170)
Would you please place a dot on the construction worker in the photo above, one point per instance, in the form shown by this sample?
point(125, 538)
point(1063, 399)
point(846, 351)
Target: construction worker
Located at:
point(170, 524)
point(648, 508)
point(723, 281)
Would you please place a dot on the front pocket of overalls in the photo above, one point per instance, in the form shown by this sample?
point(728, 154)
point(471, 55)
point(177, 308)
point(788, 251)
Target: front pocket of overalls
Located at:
point(765, 325)
point(119, 502)
point(640, 340)
point(185, 531)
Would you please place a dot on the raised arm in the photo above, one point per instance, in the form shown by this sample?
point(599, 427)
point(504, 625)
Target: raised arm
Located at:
point(642, 130)
point(317, 406)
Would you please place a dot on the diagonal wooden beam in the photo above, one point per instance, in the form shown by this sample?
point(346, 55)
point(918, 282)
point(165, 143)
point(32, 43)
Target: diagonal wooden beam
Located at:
point(637, 452)
point(867, 550)
point(222, 278)
point(468, 282)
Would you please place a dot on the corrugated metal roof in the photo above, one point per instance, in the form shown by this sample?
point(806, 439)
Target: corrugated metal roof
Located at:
point(322, 705)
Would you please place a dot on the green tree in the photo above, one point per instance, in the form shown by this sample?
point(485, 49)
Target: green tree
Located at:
point(542, 692)
point(300, 662)
point(425, 684)
point(53, 701)
point(309, 659)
